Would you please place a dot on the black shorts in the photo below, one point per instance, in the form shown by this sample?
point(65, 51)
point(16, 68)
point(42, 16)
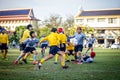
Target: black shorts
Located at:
point(54, 50)
point(63, 47)
point(4, 46)
point(29, 49)
point(44, 46)
point(22, 47)
point(70, 52)
point(78, 48)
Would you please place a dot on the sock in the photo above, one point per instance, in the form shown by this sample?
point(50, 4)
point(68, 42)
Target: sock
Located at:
point(4, 54)
point(35, 56)
point(19, 58)
point(42, 61)
point(63, 63)
point(25, 57)
point(30, 56)
point(67, 57)
point(56, 57)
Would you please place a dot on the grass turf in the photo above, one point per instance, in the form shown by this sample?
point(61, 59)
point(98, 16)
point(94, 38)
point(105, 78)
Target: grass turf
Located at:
point(105, 67)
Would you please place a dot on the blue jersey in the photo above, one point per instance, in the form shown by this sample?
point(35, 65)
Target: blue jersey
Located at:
point(91, 40)
point(80, 38)
point(31, 42)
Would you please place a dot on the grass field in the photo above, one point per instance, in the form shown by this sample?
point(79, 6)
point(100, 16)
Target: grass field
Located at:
point(105, 67)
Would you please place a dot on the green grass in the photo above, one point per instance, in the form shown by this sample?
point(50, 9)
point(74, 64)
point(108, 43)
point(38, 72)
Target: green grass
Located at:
point(105, 67)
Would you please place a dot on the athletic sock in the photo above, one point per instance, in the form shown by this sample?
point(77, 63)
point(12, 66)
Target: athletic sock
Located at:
point(56, 57)
point(42, 61)
point(35, 56)
point(67, 57)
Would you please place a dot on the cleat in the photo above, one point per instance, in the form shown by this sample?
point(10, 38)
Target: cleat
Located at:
point(67, 61)
point(25, 61)
point(15, 62)
point(34, 62)
point(72, 60)
point(39, 65)
point(20, 63)
point(55, 63)
point(65, 67)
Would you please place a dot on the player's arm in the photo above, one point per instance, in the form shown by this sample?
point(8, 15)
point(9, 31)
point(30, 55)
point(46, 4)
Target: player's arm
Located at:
point(26, 41)
point(44, 39)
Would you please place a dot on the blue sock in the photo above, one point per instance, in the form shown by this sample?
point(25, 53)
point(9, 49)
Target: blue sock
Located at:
point(35, 56)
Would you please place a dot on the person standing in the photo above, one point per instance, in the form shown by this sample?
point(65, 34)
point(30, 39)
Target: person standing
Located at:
point(4, 44)
point(90, 43)
point(79, 36)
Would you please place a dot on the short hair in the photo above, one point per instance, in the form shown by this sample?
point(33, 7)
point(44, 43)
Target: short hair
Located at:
point(28, 26)
point(31, 32)
point(53, 30)
point(79, 28)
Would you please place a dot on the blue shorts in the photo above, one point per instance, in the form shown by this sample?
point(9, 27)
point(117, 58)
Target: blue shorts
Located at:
point(78, 48)
point(29, 49)
point(54, 50)
point(90, 45)
point(44, 46)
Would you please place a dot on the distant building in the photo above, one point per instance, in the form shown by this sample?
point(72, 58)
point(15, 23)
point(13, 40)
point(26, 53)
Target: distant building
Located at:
point(12, 18)
point(106, 22)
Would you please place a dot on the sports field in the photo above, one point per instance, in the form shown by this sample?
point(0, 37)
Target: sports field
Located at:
point(105, 67)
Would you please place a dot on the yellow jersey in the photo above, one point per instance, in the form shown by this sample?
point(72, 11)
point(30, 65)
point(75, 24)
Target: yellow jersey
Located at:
point(53, 39)
point(4, 38)
point(63, 38)
point(70, 46)
point(26, 35)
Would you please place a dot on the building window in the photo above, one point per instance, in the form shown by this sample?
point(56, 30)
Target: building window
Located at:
point(90, 20)
point(112, 20)
point(100, 41)
point(79, 20)
point(101, 19)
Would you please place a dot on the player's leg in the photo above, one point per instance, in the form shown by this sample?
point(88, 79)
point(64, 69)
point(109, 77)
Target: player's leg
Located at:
point(56, 58)
point(62, 59)
point(67, 54)
point(18, 59)
point(35, 57)
point(79, 54)
point(89, 47)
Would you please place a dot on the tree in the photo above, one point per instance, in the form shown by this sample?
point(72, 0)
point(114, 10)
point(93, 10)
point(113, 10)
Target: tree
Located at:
point(17, 34)
point(53, 21)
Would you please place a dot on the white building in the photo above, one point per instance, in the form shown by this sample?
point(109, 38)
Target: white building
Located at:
point(106, 22)
point(12, 18)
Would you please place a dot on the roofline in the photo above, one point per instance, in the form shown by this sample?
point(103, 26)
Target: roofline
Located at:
point(15, 9)
point(102, 9)
point(14, 16)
